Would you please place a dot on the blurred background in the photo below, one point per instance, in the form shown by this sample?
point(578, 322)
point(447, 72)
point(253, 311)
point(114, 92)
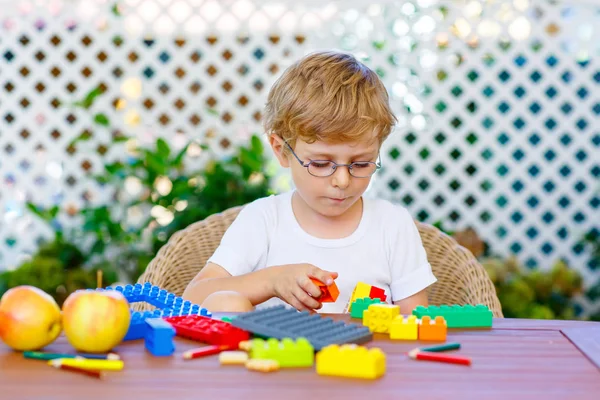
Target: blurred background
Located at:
point(123, 121)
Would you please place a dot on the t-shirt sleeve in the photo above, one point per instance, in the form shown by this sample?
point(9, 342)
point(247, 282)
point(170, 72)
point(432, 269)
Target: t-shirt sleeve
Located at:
point(244, 245)
point(410, 269)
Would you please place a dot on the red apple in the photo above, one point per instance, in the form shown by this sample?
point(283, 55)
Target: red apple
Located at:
point(95, 321)
point(29, 318)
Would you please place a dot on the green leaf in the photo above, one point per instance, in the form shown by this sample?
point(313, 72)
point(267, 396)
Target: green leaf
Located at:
point(154, 164)
point(98, 247)
point(379, 44)
point(89, 98)
point(84, 137)
point(178, 160)
point(163, 149)
point(101, 119)
point(35, 209)
point(120, 139)
point(115, 10)
point(53, 212)
point(101, 179)
point(90, 226)
point(256, 145)
point(250, 160)
point(114, 168)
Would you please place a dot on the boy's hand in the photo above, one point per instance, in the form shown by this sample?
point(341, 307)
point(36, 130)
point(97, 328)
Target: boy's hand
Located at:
point(292, 284)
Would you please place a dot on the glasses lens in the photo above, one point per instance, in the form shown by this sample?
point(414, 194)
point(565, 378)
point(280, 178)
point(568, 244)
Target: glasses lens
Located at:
point(363, 169)
point(321, 168)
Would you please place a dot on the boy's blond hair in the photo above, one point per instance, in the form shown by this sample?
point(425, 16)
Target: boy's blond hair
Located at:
point(331, 97)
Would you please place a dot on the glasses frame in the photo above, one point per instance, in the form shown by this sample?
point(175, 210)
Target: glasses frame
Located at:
point(336, 165)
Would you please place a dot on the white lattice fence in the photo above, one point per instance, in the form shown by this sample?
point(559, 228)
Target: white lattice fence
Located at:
point(498, 102)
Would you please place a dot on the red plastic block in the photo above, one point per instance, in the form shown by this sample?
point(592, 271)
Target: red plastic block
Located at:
point(329, 294)
point(377, 293)
point(208, 330)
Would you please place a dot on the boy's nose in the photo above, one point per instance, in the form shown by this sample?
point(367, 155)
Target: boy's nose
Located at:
point(341, 177)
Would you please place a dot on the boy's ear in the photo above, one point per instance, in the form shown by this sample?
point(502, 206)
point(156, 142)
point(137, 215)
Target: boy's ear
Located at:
point(279, 148)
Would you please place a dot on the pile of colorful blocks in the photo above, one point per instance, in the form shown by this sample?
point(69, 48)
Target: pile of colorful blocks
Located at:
point(333, 347)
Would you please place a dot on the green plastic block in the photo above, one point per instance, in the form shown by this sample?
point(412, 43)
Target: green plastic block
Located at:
point(457, 316)
point(226, 319)
point(360, 305)
point(287, 352)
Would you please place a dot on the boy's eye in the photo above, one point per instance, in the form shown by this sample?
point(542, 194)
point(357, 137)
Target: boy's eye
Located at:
point(361, 165)
point(321, 164)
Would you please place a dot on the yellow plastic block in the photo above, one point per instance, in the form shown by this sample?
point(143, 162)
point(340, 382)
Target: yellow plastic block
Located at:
point(352, 361)
point(379, 317)
point(361, 290)
point(433, 330)
point(404, 328)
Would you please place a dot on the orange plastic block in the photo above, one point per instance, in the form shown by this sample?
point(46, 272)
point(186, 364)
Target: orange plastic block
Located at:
point(329, 294)
point(435, 330)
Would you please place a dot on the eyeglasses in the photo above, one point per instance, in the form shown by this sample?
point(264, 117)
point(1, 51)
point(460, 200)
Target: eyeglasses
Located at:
point(325, 168)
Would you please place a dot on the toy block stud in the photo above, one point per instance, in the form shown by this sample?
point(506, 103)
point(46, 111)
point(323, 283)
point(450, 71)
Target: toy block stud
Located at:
point(404, 328)
point(361, 305)
point(456, 316)
point(435, 330)
point(329, 294)
point(352, 361)
point(379, 317)
point(287, 352)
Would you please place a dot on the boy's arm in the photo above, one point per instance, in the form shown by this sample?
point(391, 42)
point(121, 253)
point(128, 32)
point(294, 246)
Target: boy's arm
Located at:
point(291, 283)
point(408, 304)
point(255, 286)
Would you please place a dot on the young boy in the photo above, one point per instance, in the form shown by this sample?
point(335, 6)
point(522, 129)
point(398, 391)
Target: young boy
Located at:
point(326, 118)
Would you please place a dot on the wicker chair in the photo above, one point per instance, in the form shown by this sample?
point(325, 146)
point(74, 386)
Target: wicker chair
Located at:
point(461, 279)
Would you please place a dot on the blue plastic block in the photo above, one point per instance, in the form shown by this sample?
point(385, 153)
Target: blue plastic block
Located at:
point(167, 304)
point(159, 337)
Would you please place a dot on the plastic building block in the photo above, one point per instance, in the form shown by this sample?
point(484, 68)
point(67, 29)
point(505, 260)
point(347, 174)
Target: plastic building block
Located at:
point(435, 330)
point(262, 365)
point(360, 305)
point(362, 290)
point(280, 322)
point(404, 328)
point(167, 305)
point(233, 357)
point(208, 330)
point(287, 352)
point(329, 294)
point(457, 316)
point(377, 293)
point(159, 337)
point(351, 361)
point(379, 317)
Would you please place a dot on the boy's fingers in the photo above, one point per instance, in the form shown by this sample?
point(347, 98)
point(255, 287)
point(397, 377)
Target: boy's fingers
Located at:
point(322, 275)
point(308, 286)
point(334, 275)
point(294, 302)
point(306, 300)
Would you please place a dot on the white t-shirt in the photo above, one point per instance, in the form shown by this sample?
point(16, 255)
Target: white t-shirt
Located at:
point(384, 251)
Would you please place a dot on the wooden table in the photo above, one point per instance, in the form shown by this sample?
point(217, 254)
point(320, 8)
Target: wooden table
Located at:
point(516, 359)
